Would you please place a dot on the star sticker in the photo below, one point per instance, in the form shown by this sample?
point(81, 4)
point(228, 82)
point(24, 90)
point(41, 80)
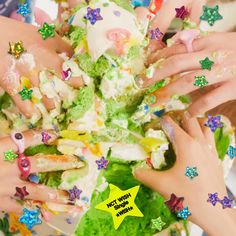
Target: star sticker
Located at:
point(214, 122)
point(16, 49)
point(211, 14)
point(24, 9)
point(231, 152)
point(156, 34)
point(47, 31)
point(175, 203)
point(30, 218)
point(184, 214)
point(74, 193)
point(26, 94)
point(157, 223)
point(10, 156)
point(45, 137)
point(226, 202)
point(213, 198)
point(200, 81)
point(102, 163)
point(181, 12)
point(191, 172)
point(66, 74)
point(206, 64)
point(21, 193)
point(120, 204)
point(93, 15)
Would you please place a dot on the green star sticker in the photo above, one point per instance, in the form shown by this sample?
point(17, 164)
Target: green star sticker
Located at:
point(10, 156)
point(206, 64)
point(157, 223)
point(26, 94)
point(200, 81)
point(211, 15)
point(47, 31)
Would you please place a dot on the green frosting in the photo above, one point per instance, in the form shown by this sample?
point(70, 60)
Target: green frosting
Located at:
point(77, 35)
point(82, 104)
point(100, 223)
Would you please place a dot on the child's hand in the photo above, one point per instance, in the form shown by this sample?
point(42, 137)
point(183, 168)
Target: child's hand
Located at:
point(167, 13)
point(220, 49)
point(45, 53)
point(10, 175)
point(194, 147)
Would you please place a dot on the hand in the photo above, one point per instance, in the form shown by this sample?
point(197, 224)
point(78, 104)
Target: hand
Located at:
point(45, 54)
point(10, 175)
point(219, 48)
point(195, 147)
point(167, 13)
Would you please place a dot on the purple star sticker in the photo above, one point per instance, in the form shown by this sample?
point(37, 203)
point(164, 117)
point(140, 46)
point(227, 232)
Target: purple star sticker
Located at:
point(21, 193)
point(214, 122)
point(93, 15)
point(74, 193)
point(156, 34)
point(226, 202)
point(213, 198)
point(45, 137)
point(181, 12)
point(102, 163)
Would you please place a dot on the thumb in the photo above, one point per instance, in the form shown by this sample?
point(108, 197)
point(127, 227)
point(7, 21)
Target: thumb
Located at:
point(156, 180)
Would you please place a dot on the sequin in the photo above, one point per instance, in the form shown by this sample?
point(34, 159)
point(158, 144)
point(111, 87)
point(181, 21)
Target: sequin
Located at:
point(226, 202)
point(16, 49)
point(157, 223)
point(21, 193)
point(26, 94)
point(191, 172)
point(200, 81)
point(184, 214)
point(45, 137)
point(93, 15)
point(211, 14)
point(47, 31)
point(213, 198)
point(175, 203)
point(214, 122)
point(74, 193)
point(181, 12)
point(156, 34)
point(206, 64)
point(231, 152)
point(10, 156)
point(102, 163)
point(30, 218)
point(24, 9)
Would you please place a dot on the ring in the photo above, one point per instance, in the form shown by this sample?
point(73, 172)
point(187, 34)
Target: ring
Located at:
point(187, 37)
point(18, 139)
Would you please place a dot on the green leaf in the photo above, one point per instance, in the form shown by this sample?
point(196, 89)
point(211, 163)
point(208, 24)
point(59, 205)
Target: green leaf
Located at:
point(51, 179)
point(5, 101)
point(44, 149)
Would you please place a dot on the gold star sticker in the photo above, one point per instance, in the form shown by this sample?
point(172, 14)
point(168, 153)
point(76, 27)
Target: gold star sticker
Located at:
point(121, 204)
point(16, 49)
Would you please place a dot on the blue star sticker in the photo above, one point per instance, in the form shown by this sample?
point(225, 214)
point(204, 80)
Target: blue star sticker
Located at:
point(191, 172)
point(93, 15)
point(213, 198)
point(184, 214)
point(24, 9)
point(231, 152)
point(30, 218)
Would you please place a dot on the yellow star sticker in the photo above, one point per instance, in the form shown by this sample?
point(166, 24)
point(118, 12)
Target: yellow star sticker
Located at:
point(120, 204)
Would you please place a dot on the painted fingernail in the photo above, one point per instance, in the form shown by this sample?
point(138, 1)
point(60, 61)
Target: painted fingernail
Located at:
point(168, 129)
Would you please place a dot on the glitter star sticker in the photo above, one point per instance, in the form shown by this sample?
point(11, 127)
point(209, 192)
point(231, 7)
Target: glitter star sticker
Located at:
point(206, 64)
point(30, 218)
point(102, 163)
point(121, 204)
point(184, 214)
point(74, 193)
point(214, 122)
point(66, 74)
point(47, 31)
point(191, 172)
point(175, 203)
point(181, 12)
point(226, 202)
point(213, 198)
point(24, 9)
point(45, 137)
point(16, 49)
point(231, 152)
point(26, 94)
point(157, 223)
point(10, 156)
point(156, 34)
point(93, 15)
point(211, 14)
point(21, 193)
point(200, 81)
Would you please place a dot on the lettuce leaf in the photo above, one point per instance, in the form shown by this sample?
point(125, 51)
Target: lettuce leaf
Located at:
point(44, 149)
point(100, 223)
point(51, 179)
point(5, 101)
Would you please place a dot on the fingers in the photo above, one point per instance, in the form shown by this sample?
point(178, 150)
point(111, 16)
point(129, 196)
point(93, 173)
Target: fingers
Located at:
point(177, 64)
point(176, 135)
point(214, 98)
point(198, 44)
point(196, 11)
point(47, 163)
point(63, 47)
point(192, 127)
point(156, 180)
point(10, 205)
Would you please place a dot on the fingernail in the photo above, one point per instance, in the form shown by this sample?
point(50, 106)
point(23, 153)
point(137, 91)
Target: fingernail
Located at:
point(168, 129)
point(187, 115)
